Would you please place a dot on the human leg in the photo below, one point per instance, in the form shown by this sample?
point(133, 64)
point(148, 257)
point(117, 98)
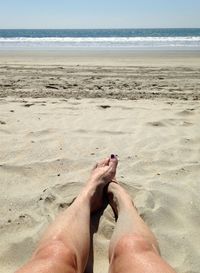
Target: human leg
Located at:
point(64, 247)
point(133, 247)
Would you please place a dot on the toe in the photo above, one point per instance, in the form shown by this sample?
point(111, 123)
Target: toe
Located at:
point(113, 161)
point(104, 162)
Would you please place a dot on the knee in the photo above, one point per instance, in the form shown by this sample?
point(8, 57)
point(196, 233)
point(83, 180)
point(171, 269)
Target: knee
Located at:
point(58, 253)
point(133, 245)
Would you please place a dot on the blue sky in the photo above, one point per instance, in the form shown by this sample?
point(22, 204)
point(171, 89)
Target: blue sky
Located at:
point(99, 14)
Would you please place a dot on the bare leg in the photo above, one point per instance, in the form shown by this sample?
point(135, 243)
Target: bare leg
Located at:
point(65, 245)
point(133, 247)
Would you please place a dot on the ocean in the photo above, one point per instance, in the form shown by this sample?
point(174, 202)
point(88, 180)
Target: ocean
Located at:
point(136, 39)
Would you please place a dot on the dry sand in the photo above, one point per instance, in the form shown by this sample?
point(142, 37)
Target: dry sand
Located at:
point(56, 121)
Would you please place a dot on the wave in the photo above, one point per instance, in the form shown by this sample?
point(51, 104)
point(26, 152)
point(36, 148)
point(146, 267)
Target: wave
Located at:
point(193, 41)
point(100, 39)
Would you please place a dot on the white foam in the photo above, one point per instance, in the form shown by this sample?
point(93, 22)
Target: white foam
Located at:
point(102, 41)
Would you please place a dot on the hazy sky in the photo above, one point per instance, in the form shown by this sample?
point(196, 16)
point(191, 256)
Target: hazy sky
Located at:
point(99, 13)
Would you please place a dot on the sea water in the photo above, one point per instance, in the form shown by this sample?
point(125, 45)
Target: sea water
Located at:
point(100, 39)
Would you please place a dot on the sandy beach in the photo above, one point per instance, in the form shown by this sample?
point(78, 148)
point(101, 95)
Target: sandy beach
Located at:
point(61, 112)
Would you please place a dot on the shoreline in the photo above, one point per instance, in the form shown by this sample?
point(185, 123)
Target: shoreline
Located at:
point(102, 57)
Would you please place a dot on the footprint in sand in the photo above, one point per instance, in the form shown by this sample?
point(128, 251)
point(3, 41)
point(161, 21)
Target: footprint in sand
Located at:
point(58, 198)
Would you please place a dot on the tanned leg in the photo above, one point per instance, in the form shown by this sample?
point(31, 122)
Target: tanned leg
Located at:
point(133, 247)
point(65, 245)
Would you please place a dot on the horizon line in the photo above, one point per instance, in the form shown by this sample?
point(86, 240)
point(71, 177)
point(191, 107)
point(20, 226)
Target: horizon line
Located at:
point(99, 28)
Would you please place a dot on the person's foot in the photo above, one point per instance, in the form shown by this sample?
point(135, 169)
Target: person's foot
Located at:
point(118, 198)
point(103, 173)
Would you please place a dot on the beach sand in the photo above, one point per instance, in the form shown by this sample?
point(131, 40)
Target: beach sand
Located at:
point(60, 115)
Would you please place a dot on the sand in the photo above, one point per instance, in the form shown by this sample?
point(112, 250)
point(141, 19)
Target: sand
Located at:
point(58, 120)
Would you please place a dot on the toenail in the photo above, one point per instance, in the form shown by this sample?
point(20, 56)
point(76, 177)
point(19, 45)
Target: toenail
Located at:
point(112, 156)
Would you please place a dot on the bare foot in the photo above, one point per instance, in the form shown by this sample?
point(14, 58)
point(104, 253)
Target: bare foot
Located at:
point(118, 198)
point(101, 175)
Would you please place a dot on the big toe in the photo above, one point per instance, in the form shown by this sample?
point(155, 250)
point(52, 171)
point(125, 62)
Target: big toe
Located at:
point(113, 162)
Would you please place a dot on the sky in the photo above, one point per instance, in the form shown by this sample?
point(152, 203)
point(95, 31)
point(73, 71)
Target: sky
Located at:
point(99, 13)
